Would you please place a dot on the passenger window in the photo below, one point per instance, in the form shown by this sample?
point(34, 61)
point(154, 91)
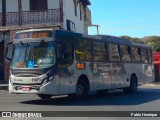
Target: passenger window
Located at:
point(149, 55)
point(99, 52)
point(65, 52)
point(125, 54)
point(144, 56)
point(135, 55)
point(114, 52)
point(83, 50)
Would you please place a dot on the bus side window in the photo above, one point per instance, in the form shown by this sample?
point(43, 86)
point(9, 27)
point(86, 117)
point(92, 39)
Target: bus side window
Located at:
point(125, 53)
point(129, 50)
point(114, 52)
point(140, 55)
point(65, 53)
point(144, 55)
point(135, 55)
point(59, 51)
point(99, 52)
point(149, 51)
point(83, 50)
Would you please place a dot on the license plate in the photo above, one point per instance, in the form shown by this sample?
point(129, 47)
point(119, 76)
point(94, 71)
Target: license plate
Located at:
point(25, 88)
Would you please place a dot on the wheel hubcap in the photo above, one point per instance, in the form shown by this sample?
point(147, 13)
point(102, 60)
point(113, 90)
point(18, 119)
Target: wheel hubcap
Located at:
point(79, 89)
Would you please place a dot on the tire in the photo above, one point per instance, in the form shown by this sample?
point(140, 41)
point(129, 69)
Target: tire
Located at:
point(133, 85)
point(82, 90)
point(44, 96)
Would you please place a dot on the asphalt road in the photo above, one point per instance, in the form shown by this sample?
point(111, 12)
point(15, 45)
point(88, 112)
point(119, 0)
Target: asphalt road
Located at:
point(146, 99)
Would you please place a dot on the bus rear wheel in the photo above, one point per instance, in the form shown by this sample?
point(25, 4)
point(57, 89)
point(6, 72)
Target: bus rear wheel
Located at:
point(44, 96)
point(133, 85)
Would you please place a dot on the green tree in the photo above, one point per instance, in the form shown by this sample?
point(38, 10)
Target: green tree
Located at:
point(154, 42)
point(133, 39)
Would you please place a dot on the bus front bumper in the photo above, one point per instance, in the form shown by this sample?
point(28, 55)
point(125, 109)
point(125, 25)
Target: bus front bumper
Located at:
point(48, 88)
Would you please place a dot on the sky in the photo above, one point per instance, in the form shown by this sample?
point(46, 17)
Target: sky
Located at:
point(135, 18)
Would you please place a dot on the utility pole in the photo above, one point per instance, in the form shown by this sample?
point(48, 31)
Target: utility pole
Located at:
point(97, 26)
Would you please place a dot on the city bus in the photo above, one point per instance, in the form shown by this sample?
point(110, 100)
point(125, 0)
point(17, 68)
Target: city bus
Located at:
point(50, 63)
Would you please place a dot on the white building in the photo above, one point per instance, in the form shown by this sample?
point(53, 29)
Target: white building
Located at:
point(71, 15)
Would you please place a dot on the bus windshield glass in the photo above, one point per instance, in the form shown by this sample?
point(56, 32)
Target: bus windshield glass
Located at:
point(33, 55)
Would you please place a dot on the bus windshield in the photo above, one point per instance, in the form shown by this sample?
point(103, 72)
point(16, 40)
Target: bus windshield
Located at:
point(33, 55)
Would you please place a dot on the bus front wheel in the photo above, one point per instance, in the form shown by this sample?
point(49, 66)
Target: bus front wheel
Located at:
point(81, 91)
point(133, 85)
point(44, 96)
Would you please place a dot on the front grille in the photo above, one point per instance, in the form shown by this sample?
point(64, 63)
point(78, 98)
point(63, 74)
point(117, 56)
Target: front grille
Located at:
point(31, 88)
point(26, 72)
point(27, 84)
point(26, 75)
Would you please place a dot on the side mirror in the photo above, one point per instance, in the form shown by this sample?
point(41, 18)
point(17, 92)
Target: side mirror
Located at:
point(9, 51)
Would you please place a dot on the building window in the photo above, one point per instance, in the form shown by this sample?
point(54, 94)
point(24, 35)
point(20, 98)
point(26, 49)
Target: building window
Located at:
point(75, 7)
point(71, 26)
point(36, 5)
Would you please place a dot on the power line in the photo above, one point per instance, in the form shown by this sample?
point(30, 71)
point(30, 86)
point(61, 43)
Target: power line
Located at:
point(134, 27)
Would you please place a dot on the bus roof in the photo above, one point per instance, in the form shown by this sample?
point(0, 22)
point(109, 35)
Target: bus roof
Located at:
point(140, 45)
point(114, 39)
point(105, 38)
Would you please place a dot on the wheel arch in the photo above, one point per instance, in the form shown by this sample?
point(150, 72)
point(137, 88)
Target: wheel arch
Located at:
point(84, 78)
